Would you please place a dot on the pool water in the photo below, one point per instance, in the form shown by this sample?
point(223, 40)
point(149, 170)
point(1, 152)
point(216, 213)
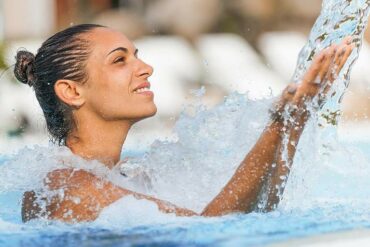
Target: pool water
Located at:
point(238, 230)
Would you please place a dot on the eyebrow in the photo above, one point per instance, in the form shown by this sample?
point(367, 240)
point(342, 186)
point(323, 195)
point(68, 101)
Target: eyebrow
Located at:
point(122, 49)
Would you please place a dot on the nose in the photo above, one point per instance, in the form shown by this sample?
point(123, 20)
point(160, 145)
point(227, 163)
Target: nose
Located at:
point(144, 69)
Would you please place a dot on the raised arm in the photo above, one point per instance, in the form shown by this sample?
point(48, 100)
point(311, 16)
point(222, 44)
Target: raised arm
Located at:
point(311, 83)
point(242, 191)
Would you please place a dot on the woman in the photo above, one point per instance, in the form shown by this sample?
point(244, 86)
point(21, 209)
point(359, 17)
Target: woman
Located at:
point(92, 88)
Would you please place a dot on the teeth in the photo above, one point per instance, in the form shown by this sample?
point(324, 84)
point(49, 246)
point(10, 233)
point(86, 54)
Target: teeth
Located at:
point(140, 90)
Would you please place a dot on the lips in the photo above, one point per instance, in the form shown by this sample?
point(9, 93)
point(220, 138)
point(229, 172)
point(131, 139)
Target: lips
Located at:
point(143, 87)
point(144, 90)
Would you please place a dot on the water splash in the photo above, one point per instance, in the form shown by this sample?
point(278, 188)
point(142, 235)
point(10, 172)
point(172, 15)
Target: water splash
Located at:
point(337, 20)
point(210, 144)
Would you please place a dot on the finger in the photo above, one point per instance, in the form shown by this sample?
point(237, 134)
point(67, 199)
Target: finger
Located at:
point(332, 73)
point(342, 50)
point(347, 52)
point(347, 40)
point(338, 64)
point(339, 60)
point(314, 69)
point(339, 54)
point(325, 68)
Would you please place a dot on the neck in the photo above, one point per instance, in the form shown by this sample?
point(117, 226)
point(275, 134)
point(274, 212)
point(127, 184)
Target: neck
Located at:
point(99, 140)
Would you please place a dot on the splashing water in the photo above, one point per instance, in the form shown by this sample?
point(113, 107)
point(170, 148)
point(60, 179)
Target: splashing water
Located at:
point(338, 19)
point(327, 189)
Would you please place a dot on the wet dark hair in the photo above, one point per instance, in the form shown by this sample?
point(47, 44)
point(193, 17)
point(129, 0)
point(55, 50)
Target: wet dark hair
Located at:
point(62, 56)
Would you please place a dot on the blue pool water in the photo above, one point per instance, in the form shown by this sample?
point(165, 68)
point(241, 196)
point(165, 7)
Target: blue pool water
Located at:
point(239, 230)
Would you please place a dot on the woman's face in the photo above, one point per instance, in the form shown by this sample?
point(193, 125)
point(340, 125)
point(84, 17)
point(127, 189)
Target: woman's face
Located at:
point(117, 86)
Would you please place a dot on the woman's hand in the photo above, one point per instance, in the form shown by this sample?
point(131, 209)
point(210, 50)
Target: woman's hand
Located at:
point(323, 71)
point(318, 80)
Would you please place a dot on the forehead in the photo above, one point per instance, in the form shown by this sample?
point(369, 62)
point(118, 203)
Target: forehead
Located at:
point(103, 40)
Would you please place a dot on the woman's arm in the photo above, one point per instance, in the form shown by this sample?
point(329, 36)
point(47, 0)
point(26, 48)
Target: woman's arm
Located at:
point(242, 191)
point(299, 118)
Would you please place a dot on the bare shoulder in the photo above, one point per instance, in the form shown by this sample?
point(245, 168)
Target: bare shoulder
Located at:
point(80, 195)
point(69, 178)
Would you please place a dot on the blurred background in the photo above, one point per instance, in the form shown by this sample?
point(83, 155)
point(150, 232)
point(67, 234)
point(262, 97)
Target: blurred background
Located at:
point(197, 47)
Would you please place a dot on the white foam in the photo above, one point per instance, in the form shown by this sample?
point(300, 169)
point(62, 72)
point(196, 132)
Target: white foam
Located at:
point(130, 212)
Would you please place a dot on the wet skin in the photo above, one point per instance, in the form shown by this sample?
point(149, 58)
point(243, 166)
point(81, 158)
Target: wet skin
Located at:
point(107, 105)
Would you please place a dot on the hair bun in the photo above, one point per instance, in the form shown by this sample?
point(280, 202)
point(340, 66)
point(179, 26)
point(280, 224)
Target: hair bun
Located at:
point(24, 67)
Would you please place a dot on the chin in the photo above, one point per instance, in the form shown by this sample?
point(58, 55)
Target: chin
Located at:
point(152, 111)
point(149, 112)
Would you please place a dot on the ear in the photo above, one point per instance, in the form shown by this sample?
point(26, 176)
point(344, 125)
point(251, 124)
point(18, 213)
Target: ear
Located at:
point(70, 92)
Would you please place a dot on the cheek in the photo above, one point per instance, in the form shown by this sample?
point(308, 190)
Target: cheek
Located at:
point(111, 97)
point(117, 88)
point(103, 92)
point(114, 83)
point(110, 94)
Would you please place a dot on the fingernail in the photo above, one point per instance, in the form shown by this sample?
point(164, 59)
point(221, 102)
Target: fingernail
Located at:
point(317, 80)
point(292, 90)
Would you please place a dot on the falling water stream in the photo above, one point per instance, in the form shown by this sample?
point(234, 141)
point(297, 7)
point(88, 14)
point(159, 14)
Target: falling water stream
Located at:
point(338, 19)
point(328, 188)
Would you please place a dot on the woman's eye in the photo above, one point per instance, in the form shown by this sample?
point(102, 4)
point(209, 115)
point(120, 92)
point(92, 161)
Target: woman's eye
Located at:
point(119, 59)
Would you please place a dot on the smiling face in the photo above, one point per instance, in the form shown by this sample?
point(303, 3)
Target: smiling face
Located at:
point(117, 87)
